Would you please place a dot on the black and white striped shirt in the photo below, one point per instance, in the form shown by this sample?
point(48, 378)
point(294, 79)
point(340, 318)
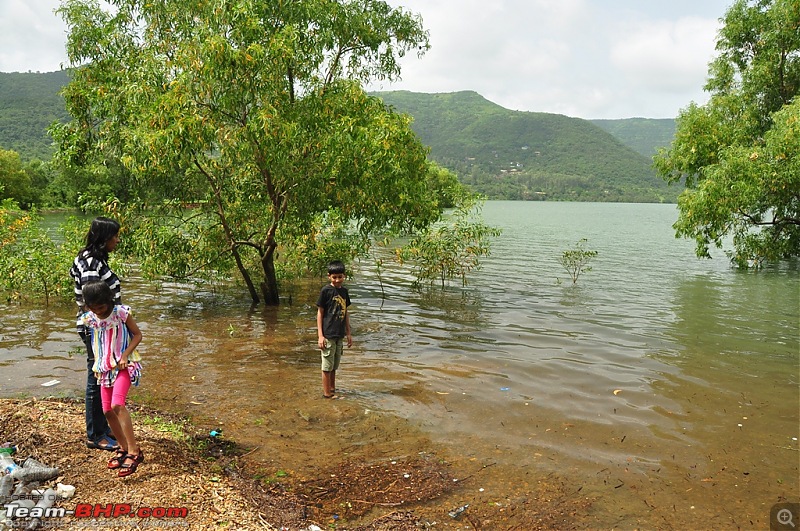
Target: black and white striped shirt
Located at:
point(85, 269)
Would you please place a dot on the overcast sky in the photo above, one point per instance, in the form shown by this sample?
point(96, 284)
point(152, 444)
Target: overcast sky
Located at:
point(583, 58)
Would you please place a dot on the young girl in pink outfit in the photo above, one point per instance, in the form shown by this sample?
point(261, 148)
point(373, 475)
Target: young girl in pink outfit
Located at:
point(115, 336)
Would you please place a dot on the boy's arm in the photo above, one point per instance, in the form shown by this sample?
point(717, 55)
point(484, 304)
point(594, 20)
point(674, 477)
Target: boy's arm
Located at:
point(320, 337)
point(347, 328)
point(136, 338)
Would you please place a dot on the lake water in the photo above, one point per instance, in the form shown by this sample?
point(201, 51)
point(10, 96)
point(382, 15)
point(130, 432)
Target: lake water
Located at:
point(660, 388)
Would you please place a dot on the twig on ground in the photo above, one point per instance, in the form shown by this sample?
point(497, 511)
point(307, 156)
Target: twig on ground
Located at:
point(382, 504)
point(250, 452)
point(481, 470)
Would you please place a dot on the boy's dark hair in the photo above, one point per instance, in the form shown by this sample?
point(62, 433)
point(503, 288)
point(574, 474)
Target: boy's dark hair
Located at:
point(102, 230)
point(336, 268)
point(97, 292)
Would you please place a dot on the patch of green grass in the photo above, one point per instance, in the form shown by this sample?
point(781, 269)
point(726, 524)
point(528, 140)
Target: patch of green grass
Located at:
point(177, 430)
point(268, 479)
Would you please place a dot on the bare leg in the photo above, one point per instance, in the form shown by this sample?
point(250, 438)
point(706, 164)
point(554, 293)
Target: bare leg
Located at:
point(333, 382)
point(327, 387)
point(114, 423)
point(123, 420)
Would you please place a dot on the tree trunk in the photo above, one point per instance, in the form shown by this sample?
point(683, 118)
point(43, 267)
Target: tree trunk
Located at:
point(269, 288)
point(246, 276)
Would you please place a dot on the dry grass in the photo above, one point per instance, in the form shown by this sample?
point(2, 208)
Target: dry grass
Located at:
point(191, 470)
point(222, 488)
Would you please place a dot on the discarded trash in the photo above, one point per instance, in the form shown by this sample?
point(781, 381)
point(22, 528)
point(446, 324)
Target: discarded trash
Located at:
point(7, 464)
point(215, 433)
point(65, 491)
point(617, 391)
point(29, 475)
point(33, 463)
point(25, 481)
point(6, 484)
point(51, 383)
point(505, 388)
point(48, 499)
point(455, 513)
point(27, 503)
point(33, 471)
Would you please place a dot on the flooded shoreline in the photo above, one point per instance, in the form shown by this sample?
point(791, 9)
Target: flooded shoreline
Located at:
point(647, 392)
point(616, 471)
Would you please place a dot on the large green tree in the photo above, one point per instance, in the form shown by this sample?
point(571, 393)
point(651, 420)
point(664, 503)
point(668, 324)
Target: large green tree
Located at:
point(15, 182)
point(250, 111)
point(739, 154)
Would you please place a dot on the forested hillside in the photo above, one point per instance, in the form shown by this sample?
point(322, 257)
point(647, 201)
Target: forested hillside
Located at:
point(29, 103)
point(645, 135)
point(525, 155)
point(502, 153)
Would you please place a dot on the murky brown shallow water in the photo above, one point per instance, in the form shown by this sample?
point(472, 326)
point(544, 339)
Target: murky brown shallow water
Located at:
point(663, 389)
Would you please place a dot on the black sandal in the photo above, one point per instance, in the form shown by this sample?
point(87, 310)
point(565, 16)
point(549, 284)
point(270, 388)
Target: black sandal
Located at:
point(125, 468)
point(116, 461)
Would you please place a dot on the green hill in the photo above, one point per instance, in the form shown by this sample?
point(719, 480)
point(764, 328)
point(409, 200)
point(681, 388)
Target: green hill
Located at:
point(29, 103)
point(509, 154)
point(645, 135)
point(502, 153)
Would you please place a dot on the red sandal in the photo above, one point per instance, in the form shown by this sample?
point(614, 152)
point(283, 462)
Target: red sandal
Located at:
point(126, 468)
point(116, 461)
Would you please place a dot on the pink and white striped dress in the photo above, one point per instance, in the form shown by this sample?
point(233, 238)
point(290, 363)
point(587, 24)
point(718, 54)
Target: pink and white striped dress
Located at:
point(110, 338)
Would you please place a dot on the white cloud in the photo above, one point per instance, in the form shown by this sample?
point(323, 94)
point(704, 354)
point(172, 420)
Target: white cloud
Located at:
point(32, 36)
point(585, 58)
point(618, 58)
point(666, 56)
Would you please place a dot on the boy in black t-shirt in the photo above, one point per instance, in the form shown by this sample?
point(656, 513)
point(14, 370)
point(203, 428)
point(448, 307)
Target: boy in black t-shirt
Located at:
point(333, 326)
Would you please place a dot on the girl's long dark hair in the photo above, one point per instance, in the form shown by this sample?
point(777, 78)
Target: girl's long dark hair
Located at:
point(97, 292)
point(102, 230)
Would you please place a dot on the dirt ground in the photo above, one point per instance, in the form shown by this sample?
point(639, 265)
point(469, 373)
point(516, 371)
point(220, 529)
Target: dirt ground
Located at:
point(190, 479)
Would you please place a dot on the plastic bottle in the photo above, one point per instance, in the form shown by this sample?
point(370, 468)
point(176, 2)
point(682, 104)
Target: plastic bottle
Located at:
point(7, 464)
point(32, 463)
point(24, 503)
point(49, 498)
point(6, 484)
point(35, 474)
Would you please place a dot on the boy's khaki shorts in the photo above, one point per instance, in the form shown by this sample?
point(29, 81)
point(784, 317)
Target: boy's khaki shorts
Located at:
point(332, 354)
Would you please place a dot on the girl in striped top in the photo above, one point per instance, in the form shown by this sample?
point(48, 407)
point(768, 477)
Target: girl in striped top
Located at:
point(114, 337)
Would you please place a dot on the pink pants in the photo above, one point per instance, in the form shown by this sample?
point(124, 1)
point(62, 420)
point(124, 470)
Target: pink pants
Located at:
point(115, 396)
